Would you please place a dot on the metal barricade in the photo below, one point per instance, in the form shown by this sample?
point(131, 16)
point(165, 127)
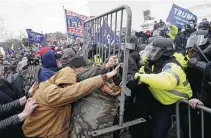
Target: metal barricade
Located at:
point(103, 37)
point(202, 109)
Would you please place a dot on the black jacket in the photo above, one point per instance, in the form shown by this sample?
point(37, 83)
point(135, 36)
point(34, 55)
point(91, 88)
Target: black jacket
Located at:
point(7, 89)
point(205, 95)
point(133, 67)
point(18, 87)
point(13, 120)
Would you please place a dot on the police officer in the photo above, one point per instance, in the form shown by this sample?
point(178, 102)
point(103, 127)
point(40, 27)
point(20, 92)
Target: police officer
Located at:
point(195, 46)
point(202, 29)
point(167, 82)
point(198, 52)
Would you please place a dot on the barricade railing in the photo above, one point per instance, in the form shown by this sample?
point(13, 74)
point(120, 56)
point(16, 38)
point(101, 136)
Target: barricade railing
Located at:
point(103, 37)
point(202, 110)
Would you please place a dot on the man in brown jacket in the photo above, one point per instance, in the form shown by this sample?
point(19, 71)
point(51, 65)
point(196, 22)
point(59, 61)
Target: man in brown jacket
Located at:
point(51, 118)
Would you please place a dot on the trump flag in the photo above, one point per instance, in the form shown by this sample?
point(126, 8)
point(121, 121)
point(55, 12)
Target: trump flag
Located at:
point(75, 23)
point(34, 37)
point(180, 16)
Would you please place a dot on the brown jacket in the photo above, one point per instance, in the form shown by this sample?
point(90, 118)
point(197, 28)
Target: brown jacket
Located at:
point(51, 118)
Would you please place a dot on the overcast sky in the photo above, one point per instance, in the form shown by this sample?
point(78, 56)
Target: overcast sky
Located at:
point(39, 15)
point(48, 15)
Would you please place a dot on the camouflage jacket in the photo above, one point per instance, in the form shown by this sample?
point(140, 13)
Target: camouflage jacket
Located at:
point(29, 76)
point(93, 112)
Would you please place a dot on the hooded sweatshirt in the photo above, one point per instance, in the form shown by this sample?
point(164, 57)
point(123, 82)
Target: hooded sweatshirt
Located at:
point(44, 50)
point(49, 66)
point(51, 118)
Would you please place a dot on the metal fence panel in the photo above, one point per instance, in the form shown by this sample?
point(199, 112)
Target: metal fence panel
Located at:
point(103, 37)
point(201, 108)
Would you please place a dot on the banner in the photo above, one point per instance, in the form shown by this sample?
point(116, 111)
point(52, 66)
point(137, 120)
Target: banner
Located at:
point(75, 23)
point(180, 16)
point(35, 37)
point(106, 35)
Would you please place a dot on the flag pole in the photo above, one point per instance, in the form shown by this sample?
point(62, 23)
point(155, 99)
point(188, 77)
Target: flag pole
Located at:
point(65, 19)
point(42, 44)
point(28, 42)
point(28, 39)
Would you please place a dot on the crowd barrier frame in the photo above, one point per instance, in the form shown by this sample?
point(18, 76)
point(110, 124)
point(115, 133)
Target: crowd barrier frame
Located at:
point(201, 108)
point(90, 30)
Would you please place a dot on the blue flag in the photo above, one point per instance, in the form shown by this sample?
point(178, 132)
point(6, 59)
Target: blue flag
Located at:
point(35, 37)
point(21, 50)
point(180, 16)
point(106, 35)
point(10, 51)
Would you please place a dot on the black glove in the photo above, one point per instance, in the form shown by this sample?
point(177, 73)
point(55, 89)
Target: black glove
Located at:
point(192, 62)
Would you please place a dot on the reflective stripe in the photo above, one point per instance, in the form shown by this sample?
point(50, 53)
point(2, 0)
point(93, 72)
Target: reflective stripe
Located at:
point(186, 83)
point(153, 67)
point(97, 59)
point(175, 75)
point(174, 92)
point(177, 78)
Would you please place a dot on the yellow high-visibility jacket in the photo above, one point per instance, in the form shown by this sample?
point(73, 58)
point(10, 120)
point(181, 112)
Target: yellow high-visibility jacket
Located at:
point(173, 32)
point(170, 85)
point(96, 59)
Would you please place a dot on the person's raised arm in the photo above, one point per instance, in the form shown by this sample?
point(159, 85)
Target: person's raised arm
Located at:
point(58, 96)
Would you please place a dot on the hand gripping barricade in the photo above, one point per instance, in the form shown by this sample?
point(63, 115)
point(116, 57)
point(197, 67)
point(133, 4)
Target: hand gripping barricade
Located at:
point(201, 108)
point(105, 36)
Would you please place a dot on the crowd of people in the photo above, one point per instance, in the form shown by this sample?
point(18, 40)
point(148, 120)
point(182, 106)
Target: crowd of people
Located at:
point(60, 94)
point(173, 64)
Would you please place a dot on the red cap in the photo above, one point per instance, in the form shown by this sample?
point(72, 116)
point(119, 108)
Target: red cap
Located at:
point(148, 32)
point(44, 50)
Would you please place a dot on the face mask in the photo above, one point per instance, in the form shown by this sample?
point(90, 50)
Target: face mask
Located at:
point(192, 25)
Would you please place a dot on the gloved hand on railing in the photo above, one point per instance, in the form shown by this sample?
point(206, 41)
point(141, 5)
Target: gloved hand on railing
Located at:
point(194, 102)
point(137, 77)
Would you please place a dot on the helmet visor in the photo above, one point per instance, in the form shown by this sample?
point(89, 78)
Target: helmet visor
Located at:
point(151, 53)
point(196, 40)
